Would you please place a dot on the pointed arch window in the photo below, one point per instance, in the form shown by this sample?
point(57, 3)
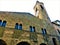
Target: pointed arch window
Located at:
point(33, 29)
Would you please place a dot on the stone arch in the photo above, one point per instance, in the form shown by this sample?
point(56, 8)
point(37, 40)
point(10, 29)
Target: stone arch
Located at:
point(2, 42)
point(42, 44)
point(23, 43)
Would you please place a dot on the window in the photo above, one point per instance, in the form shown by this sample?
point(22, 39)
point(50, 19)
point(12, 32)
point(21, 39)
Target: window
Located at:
point(54, 41)
point(20, 27)
point(37, 12)
point(44, 31)
point(4, 24)
point(36, 9)
point(41, 7)
point(16, 26)
point(0, 22)
point(32, 29)
point(58, 31)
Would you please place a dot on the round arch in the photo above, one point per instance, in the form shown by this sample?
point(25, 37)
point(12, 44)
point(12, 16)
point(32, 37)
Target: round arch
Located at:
point(23, 43)
point(42, 44)
point(2, 42)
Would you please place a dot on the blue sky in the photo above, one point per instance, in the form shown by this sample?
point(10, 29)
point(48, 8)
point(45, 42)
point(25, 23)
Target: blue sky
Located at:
point(52, 7)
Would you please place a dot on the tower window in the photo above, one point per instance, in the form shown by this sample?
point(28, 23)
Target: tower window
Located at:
point(20, 27)
point(37, 12)
point(41, 7)
point(0, 22)
point(36, 9)
point(44, 31)
point(16, 26)
point(4, 23)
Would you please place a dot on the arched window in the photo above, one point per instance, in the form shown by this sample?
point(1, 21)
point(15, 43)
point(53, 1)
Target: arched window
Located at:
point(2, 42)
point(20, 27)
point(0, 22)
point(4, 23)
point(42, 44)
point(16, 26)
point(32, 29)
point(44, 31)
point(23, 43)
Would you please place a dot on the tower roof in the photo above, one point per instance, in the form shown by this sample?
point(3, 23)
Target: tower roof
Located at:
point(39, 2)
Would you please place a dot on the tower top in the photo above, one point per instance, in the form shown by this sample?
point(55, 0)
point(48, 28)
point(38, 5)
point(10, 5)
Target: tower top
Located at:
point(37, 2)
point(37, 8)
point(40, 11)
